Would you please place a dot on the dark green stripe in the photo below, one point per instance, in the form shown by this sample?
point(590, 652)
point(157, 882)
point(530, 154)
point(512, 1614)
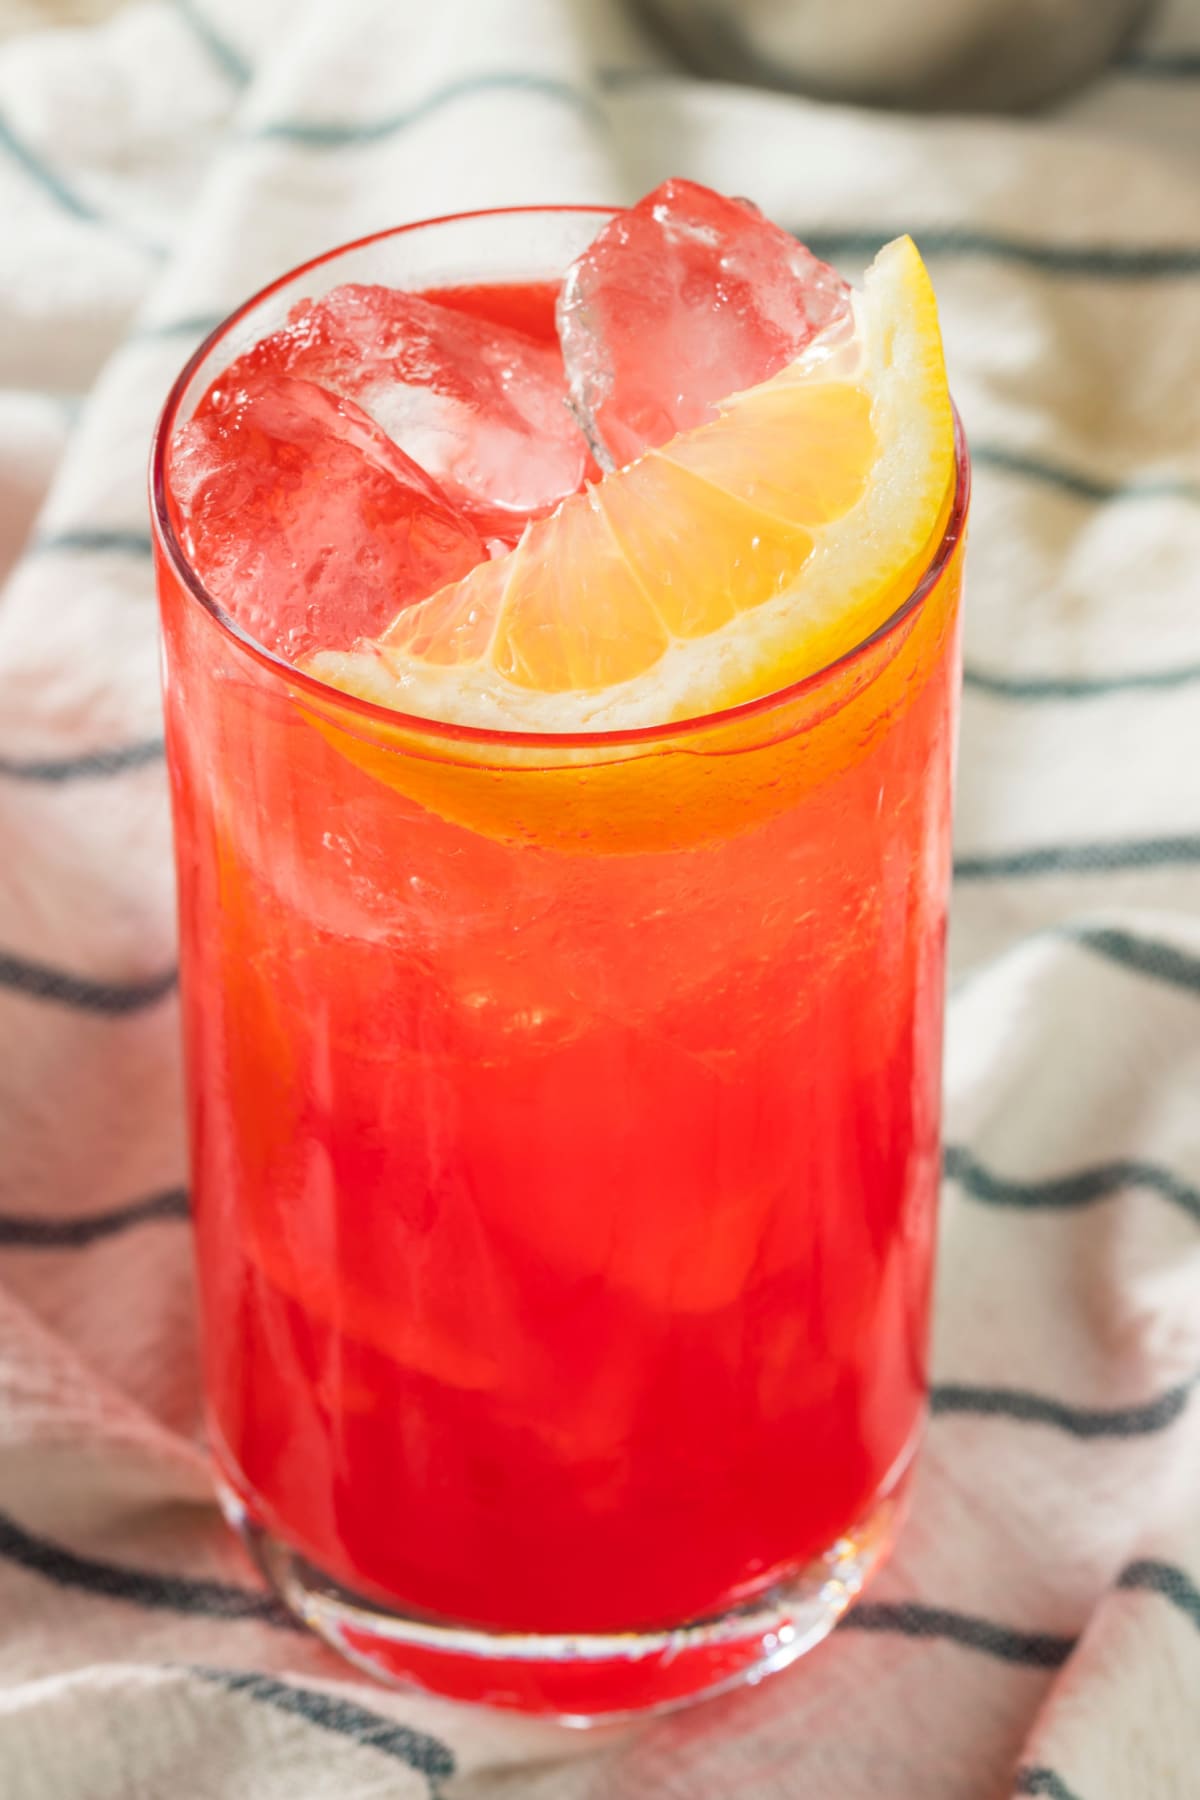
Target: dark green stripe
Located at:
point(1041, 1780)
point(1161, 65)
point(90, 765)
point(1078, 485)
point(197, 326)
point(1102, 262)
point(92, 540)
point(1083, 1187)
point(231, 62)
point(1148, 1576)
point(45, 177)
point(38, 981)
point(1078, 1421)
point(1079, 859)
point(65, 196)
point(429, 1756)
point(1078, 687)
point(1038, 1649)
point(1144, 956)
point(139, 1587)
point(31, 1233)
point(331, 134)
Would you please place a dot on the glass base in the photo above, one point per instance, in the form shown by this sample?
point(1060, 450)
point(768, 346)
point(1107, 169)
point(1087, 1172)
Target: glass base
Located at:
point(587, 1678)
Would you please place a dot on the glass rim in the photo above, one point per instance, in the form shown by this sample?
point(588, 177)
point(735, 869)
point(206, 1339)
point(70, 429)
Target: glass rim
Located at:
point(482, 736)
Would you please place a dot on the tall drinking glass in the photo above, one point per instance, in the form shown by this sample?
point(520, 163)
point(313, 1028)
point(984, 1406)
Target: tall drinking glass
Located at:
point(564, 1120)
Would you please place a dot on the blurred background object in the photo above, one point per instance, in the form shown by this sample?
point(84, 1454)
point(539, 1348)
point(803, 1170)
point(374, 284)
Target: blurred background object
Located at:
point(17, 16)
point(946, 55)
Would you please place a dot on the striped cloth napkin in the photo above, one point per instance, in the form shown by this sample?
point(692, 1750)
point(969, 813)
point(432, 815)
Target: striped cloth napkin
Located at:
point(1038, 1631)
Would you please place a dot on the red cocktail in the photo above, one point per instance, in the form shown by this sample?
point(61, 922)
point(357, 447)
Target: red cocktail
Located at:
point(564, 1118)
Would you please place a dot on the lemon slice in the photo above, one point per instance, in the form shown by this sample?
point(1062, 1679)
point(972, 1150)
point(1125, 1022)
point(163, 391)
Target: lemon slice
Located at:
point(740, 557)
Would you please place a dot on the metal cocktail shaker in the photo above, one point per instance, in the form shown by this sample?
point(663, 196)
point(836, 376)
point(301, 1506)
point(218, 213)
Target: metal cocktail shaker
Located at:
point(947, 55)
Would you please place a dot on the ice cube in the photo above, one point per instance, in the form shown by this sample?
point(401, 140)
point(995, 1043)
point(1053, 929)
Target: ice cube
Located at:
point(482, 408)
point(686, 298)
point(304, 519)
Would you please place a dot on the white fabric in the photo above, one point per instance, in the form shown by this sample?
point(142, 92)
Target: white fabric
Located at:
point(1038, 1630)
